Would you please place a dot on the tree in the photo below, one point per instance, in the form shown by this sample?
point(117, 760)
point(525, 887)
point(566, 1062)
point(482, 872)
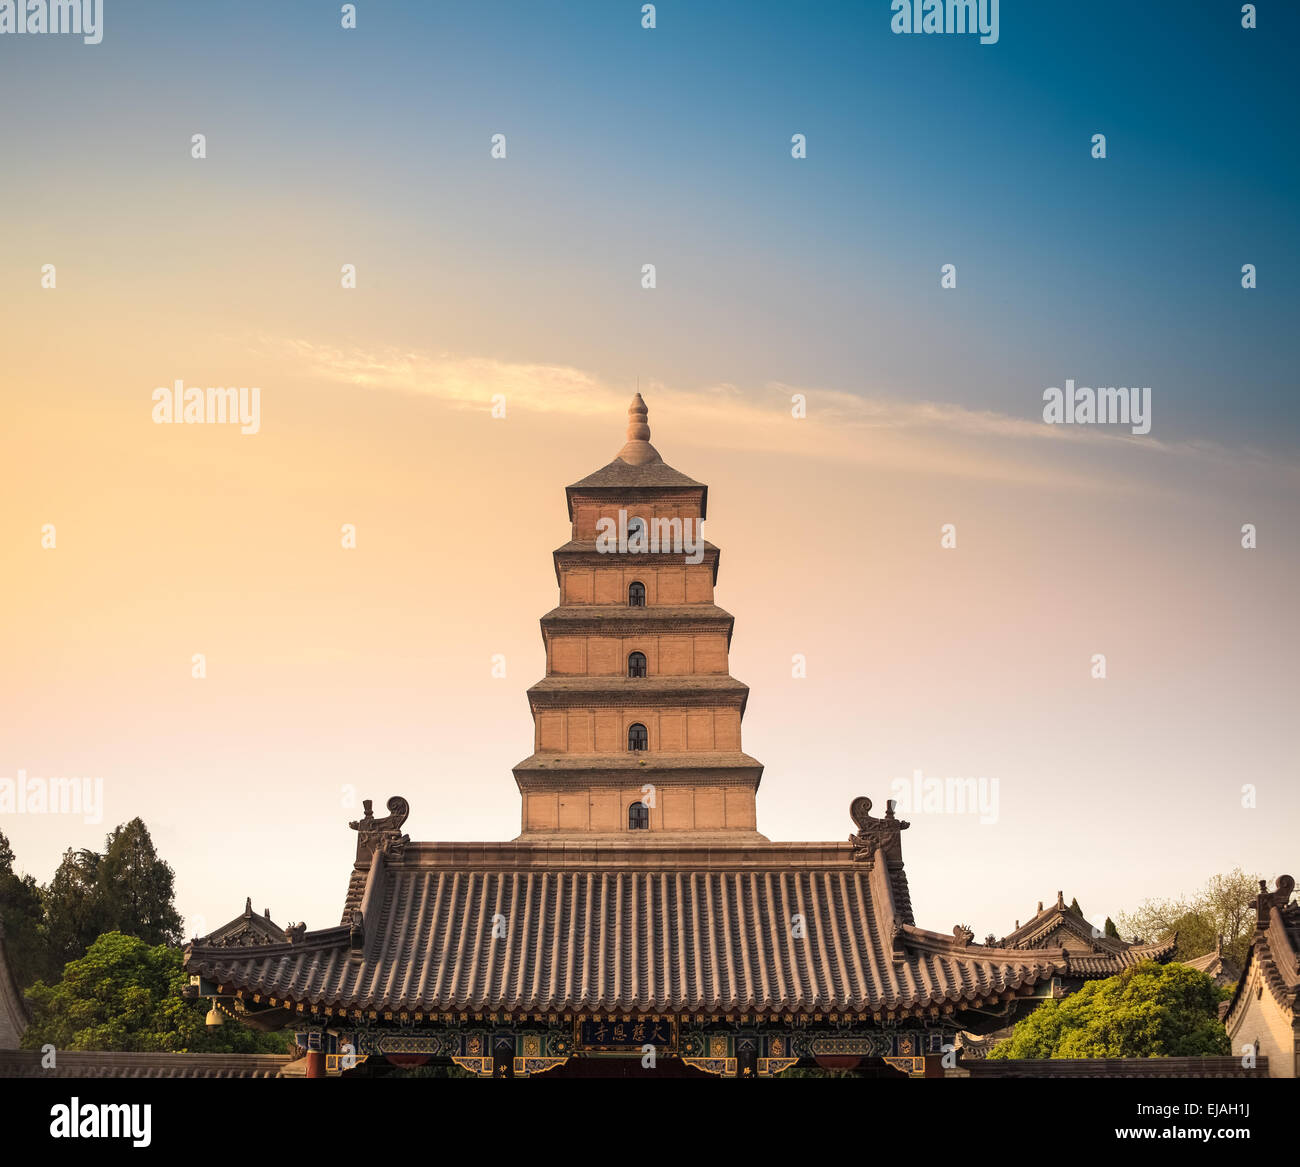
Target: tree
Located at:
point(1074, 907)
point(1110, 929)
point(72, 919)
point(1147, 1011)
point(124, 994)
point(1225, 906)
point(23, 916)
point(1197, 934)
point(135, 888)
point(127, 889)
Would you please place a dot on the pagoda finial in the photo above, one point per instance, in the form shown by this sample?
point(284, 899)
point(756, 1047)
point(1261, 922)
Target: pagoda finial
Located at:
point(638, 450)
point(638, 428)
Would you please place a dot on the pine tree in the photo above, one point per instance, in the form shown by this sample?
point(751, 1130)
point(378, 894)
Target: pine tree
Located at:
point(71, 913)
point(135, 889)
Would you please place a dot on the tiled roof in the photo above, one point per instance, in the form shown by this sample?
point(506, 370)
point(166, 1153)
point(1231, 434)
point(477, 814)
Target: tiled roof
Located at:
point(637, 761)
point(1107, 964)
point(642, 619)
point(1274, 949)
point(659, 684)
point(623, 474)
point(618, 478)
point(246, 929)
point(1221, 969)
point(1210, 963)
point(771, 928)
point(638, 465)
point(591, 547)
point(586, 553)
point(621, 620)
point(1108, 956)
point(1036, 932)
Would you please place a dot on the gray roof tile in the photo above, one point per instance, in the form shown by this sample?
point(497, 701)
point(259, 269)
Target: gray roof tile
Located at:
point(709, 936)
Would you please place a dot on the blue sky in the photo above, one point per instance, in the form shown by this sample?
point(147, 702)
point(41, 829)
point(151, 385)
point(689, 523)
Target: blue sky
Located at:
point(672, 146)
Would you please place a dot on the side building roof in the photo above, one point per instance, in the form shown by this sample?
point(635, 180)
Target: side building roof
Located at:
point(1216, 965)
point(246, 930)
point(1087, 950)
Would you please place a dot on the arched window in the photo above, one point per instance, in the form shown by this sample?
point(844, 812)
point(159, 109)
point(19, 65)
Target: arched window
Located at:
point(636, 664)
point(638, 817)
point(636, 595)
point(637, 738)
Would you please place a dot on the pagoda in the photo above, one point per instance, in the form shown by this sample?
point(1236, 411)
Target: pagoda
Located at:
point(639, 924)
point(637, 722)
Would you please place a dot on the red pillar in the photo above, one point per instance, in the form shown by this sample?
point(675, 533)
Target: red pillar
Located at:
point(315, 1063)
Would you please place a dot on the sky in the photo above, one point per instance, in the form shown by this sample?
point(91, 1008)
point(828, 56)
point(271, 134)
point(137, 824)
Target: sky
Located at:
point(336, 675)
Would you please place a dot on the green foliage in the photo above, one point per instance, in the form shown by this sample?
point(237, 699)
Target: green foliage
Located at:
point(22, 913)
point(1075, 909)
point(1150, 1010)
point(124, 994)
point(1197, 934)
point(72, 918)
point(127, 889)
point(1110, 929)
point(1225, 906)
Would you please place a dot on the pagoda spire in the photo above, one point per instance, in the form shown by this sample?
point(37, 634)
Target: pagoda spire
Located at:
point(638, 424)
point(638, 451)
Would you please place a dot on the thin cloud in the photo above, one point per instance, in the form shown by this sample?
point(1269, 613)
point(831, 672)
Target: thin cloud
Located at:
point(918, 436)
